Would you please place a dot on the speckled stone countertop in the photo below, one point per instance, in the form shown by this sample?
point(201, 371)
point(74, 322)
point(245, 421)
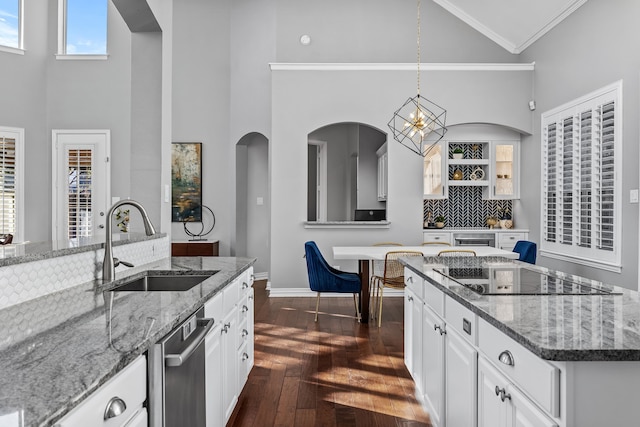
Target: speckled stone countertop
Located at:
point(44, 375)
point(554, 327)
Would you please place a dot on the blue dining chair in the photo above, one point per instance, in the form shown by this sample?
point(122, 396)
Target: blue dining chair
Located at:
point(527, 251)
point(324, 278)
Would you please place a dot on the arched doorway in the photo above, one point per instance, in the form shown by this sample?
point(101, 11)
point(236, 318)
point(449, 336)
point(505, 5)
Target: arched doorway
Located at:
point(252, 202)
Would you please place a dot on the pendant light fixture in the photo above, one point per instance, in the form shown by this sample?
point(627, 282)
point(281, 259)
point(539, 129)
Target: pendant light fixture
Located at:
point(419, 124)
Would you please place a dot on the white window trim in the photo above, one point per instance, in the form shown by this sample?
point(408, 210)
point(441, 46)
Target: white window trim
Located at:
point(20, 49)
point(62, 38)
point(18, 134)
point(572, 253)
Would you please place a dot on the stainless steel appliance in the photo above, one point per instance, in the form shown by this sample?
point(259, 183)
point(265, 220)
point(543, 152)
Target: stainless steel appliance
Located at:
point(177, 377)
point(474, 239)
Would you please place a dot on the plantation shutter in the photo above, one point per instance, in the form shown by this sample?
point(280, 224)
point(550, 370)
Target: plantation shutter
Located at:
point(8, 211)
point(79, 169)
point(579, 191)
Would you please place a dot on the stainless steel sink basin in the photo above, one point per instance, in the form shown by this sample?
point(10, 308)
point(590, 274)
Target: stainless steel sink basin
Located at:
point(164, 282)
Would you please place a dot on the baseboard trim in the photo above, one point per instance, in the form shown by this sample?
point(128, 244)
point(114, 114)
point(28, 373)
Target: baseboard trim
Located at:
point(306, 293)
point(261, 276)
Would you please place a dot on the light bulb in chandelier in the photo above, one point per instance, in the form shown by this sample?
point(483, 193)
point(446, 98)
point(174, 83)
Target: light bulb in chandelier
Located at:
point(420, 123)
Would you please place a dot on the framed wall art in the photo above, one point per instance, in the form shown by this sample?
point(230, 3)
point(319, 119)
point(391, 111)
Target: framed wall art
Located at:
point(186, 182)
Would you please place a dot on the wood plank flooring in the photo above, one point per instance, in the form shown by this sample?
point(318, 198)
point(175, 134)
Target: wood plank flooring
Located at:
point(336, 372)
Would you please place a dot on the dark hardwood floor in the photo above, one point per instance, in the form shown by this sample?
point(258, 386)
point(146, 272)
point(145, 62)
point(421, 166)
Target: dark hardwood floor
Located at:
point(336, 372)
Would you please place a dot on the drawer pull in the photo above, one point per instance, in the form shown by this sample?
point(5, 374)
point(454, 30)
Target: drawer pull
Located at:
point(506, 357)
point(410, 279)
point(245, 285)
point(245, 308)
point(245, 356)
point(439, 329)
point(410, 298)
point(502, 393)
point(244, 333)
point(225, 327)
point(115, 407)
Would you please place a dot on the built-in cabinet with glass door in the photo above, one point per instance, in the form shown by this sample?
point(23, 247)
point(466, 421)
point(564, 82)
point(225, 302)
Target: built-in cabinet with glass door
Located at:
point(492, 165)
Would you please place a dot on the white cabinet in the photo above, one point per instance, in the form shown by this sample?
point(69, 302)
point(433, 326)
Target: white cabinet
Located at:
point(127, 389)
point(460, 379)
point(413, 336)
point(434, 172)
point(229, 347)
point(507, 240)
point(501, 404)
point(383, 166)
point(433, 362)
point(505, 177)
point(437, 236)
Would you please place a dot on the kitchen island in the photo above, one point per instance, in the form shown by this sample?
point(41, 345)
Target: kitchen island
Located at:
point(97, 333)
point(486, 347)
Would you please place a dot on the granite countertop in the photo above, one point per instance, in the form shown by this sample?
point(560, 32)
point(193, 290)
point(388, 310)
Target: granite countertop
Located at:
point(45, 374)
point(554, 327)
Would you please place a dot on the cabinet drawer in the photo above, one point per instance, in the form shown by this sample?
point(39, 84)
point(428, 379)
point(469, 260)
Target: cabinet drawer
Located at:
point(413, 282)
point(231, 296)
point(441, 237)
point(213, 308)
point(511, 238)
point(462, 320)
point(536, 377)
point(130, 385)
point(434, 298)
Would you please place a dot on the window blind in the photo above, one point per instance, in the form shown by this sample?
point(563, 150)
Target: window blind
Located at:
point(580, 197)
point(8, 209)
point(79, 169)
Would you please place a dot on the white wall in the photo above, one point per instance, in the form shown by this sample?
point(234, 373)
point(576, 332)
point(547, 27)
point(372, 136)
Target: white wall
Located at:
point(346, 96)
point(595, 46)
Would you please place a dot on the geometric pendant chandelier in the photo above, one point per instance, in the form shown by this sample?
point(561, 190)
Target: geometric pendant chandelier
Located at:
point(419, 124)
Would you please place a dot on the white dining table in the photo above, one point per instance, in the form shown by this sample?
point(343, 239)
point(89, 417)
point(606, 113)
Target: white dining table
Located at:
point(366, 254)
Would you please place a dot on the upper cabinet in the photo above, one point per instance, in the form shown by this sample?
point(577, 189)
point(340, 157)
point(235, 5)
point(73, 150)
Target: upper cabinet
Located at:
point(435, 172)
point(482, 156)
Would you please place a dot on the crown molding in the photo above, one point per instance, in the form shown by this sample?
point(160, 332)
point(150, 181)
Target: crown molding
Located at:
point(279, 66)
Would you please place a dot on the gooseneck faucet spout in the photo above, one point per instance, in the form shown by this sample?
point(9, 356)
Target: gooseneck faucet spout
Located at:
point(108, 264)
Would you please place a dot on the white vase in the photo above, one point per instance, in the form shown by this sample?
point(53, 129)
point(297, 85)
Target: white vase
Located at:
point(457, 155)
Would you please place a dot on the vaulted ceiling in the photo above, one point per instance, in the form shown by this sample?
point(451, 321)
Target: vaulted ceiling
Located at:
point(513, 24)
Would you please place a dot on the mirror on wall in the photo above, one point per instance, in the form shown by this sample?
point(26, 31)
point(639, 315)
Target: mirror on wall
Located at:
point(343, 171)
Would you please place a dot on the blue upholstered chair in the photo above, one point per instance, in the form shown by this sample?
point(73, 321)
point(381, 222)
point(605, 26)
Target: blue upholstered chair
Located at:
point(527, 251)
point(324, 278)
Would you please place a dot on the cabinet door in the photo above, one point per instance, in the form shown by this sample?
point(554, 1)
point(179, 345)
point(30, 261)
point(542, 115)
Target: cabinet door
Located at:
point(435, 173)
point(141, 419)
point(523, 413)
point(433, 365)
point(460, 378)
point(416, 332)
point(409, 301)
point(492, 412)
point(229, 363)
point(213, 377)
point(506, 170)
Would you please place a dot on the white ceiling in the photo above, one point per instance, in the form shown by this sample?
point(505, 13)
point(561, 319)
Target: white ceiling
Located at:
point(513, 24)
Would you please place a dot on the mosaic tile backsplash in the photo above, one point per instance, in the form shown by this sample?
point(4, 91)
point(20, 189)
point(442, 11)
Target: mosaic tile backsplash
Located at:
point(466, 208)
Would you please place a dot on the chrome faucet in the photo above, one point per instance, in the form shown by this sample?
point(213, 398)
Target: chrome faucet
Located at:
point(109, 263)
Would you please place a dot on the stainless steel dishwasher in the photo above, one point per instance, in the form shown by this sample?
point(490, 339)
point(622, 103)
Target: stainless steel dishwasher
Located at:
point(177, 378)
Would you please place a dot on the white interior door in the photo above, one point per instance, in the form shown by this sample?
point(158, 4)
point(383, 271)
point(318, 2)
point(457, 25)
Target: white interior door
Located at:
point(81, 183)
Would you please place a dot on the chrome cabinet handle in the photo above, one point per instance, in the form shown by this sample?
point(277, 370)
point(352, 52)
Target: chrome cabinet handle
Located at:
point(439, 329)
point(180, 358)
point(245, 285)
point(506, 357)
point(410, 298)
point(225, 327)
point(245, 308)
point(245, 333)
point(115, 407)
point(245, 356)
point(410, 279)
point(498, 391)
point(502, 393)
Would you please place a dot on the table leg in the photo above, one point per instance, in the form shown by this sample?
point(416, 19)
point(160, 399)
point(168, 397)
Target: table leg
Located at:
point(363, 270)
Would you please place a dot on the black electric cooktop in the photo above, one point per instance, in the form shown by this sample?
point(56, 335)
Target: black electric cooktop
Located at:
point(516, 279)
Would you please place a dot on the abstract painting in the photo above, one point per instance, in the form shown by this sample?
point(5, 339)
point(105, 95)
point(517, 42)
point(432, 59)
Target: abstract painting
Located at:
point(186, 182)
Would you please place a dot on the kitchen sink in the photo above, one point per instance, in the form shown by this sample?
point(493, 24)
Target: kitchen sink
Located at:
point(153, 282)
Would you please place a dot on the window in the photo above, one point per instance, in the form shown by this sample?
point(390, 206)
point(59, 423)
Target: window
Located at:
point(11, 184)
point(11, 26)
point(581, 149)
point(82, 29)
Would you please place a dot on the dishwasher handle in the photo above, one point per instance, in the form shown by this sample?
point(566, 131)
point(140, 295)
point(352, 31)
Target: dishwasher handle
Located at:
point(174, 360)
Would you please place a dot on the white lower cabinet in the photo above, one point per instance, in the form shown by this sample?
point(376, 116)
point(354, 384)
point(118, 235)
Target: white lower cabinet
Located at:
point(501, 404)
point(229, 348)
point(141, 419)
point(433, 365)
point(460, 379)
point(413, 336)
point(127, 389)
